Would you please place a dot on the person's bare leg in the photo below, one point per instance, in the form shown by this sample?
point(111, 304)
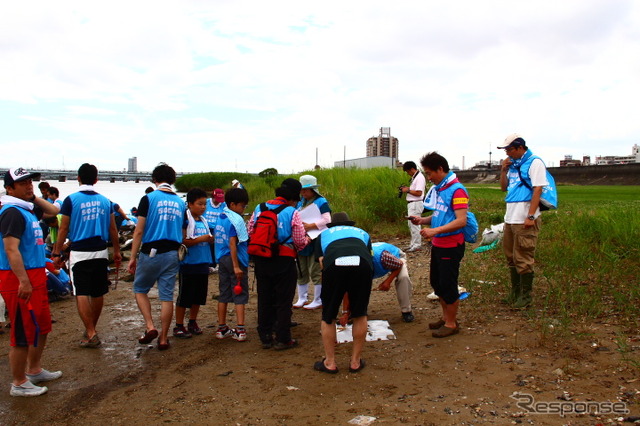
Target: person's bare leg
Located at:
point(193, 312)
point(240, 314)
point(222, 313)
point(329, 343)
point(359, 336)
point(144, 305)
point(166, 315)
point(96, 306)
point(449, 312)
point(180, 312)
point(18, 363)
point(34, 355)
point(85, 310)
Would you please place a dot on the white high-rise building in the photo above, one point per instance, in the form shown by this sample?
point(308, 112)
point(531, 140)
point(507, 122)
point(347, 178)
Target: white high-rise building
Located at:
point(133, 165)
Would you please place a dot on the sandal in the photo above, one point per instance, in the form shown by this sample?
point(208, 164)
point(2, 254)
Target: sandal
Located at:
point(319, 366)
point(355, 370)
point(94, 342)
point(445, 331)
point(148, 336)
point(164, 346)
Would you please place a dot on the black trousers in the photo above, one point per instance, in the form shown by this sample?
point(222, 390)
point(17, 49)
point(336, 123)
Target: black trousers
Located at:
point(276, 279)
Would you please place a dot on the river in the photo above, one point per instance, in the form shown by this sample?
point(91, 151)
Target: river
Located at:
point(127, 194)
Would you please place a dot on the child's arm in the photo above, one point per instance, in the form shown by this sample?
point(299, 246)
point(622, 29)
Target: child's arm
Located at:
point(190, 242)
point(233, 248)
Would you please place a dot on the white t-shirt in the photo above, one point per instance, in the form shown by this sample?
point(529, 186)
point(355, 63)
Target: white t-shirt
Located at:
point(518, 212)
point(417, 184)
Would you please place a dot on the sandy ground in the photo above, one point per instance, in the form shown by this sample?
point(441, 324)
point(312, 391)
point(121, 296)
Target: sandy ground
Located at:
point(415, 379)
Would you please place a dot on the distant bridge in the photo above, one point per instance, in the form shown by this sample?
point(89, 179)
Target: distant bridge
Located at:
point(108, 175)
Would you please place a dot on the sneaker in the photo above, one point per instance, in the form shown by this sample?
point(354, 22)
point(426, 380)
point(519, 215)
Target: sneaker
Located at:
point(408, 317)
point(279, 346)
point(194, 329)
point(27, 389)
point(213, 270)
point(223, 333)
point(44, 376)
point(239, 334)
point(181, 332)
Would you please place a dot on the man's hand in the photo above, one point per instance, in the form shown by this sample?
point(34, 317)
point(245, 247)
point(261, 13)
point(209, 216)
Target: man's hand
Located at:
point(506, 163)
point(25, 289)
point(385, 286)
point(528, 223)
point(117, 259)
point(238, 273)
point(344, 318)
point(133, 263)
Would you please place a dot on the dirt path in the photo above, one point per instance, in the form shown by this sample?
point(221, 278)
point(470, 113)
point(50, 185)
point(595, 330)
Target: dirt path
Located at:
point(415, 379)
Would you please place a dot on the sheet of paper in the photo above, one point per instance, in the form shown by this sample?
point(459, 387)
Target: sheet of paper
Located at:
point(376, 330)
point(311, 214)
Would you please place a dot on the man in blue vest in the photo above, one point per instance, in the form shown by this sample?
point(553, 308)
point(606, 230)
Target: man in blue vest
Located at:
point(389, 259)
point(157, 238)
point(449, 201)
point(23, 281)
point(522, 176)
point(345, 256)
point(89, 222)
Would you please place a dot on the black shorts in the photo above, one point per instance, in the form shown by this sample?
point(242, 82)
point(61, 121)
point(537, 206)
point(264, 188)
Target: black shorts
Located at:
point(445, 267)
point(192, 289)
point(353, 280)
point(90, 277)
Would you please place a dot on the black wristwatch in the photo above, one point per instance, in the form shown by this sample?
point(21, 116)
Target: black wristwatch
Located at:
point(531, 217)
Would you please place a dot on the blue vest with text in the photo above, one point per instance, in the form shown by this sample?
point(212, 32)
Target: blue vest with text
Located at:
point(340, 232)
point(444, 212)
point(323, 206)
point(90, 216)
point(212, 213)
point(517, 191)
point(164, 219)
point(31, 243)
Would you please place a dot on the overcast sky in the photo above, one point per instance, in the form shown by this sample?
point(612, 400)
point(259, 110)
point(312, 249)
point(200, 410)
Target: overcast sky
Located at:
point(247, 85)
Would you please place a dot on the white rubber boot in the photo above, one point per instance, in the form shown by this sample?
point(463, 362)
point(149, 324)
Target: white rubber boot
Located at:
point(302, 296)
point(317, 301)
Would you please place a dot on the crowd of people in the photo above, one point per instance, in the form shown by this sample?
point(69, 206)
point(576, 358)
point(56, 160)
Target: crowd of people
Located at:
point(294, 240)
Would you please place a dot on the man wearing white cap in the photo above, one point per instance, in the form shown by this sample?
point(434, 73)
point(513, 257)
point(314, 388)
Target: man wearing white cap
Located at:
point(23, 282)
point(309, 270)
point(523, 176)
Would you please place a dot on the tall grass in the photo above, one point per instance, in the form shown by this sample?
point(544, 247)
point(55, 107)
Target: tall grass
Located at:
point(587, 260)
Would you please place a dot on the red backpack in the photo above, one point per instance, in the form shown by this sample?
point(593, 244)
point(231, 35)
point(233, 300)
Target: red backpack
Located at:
point(263, 241)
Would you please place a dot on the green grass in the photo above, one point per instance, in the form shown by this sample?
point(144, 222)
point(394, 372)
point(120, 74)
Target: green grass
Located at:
point(587, 259)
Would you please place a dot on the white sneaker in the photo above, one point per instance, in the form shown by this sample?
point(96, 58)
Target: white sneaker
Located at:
point(239, 335)
point(432, 296)
point(27, 389)
point(223, 333)
point(314, 305)
point(44, 376)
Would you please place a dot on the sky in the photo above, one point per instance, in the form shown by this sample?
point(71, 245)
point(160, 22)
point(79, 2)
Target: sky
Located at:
point(248, 85)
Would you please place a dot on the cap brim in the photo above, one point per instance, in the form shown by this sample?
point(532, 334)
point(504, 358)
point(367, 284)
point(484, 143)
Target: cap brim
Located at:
point(29, 176)
point(345, 223)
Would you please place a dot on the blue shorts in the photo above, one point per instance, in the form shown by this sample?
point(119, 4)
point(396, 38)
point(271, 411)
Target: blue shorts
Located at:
point(162, 268)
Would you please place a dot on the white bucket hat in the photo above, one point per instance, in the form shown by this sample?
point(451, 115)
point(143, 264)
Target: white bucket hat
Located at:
point(308, 182)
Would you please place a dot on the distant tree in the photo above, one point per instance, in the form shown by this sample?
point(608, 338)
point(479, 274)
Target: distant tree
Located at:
point(268, 172)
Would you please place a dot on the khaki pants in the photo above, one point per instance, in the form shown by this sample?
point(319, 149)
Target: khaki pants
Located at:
point(519, 245)
point(404, 287)
point(311, 273)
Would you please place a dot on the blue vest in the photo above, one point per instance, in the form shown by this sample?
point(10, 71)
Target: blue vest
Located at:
point(517, 191)
point(200, 253)
point(323, 206)
point(212, 213)
point(223, 232)
point(378, 248)
point(31, 242)
point(164, 219)
point(284, 221)
point(90, 216)
point(340, 232)
point(444, 212)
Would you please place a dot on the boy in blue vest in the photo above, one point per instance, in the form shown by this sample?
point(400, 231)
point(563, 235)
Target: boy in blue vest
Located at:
point(233, 261)
point(193, 280)
point(522, 219)
point(157, 238)
point(88, 221)
point(23, 281)
point(449, 201)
